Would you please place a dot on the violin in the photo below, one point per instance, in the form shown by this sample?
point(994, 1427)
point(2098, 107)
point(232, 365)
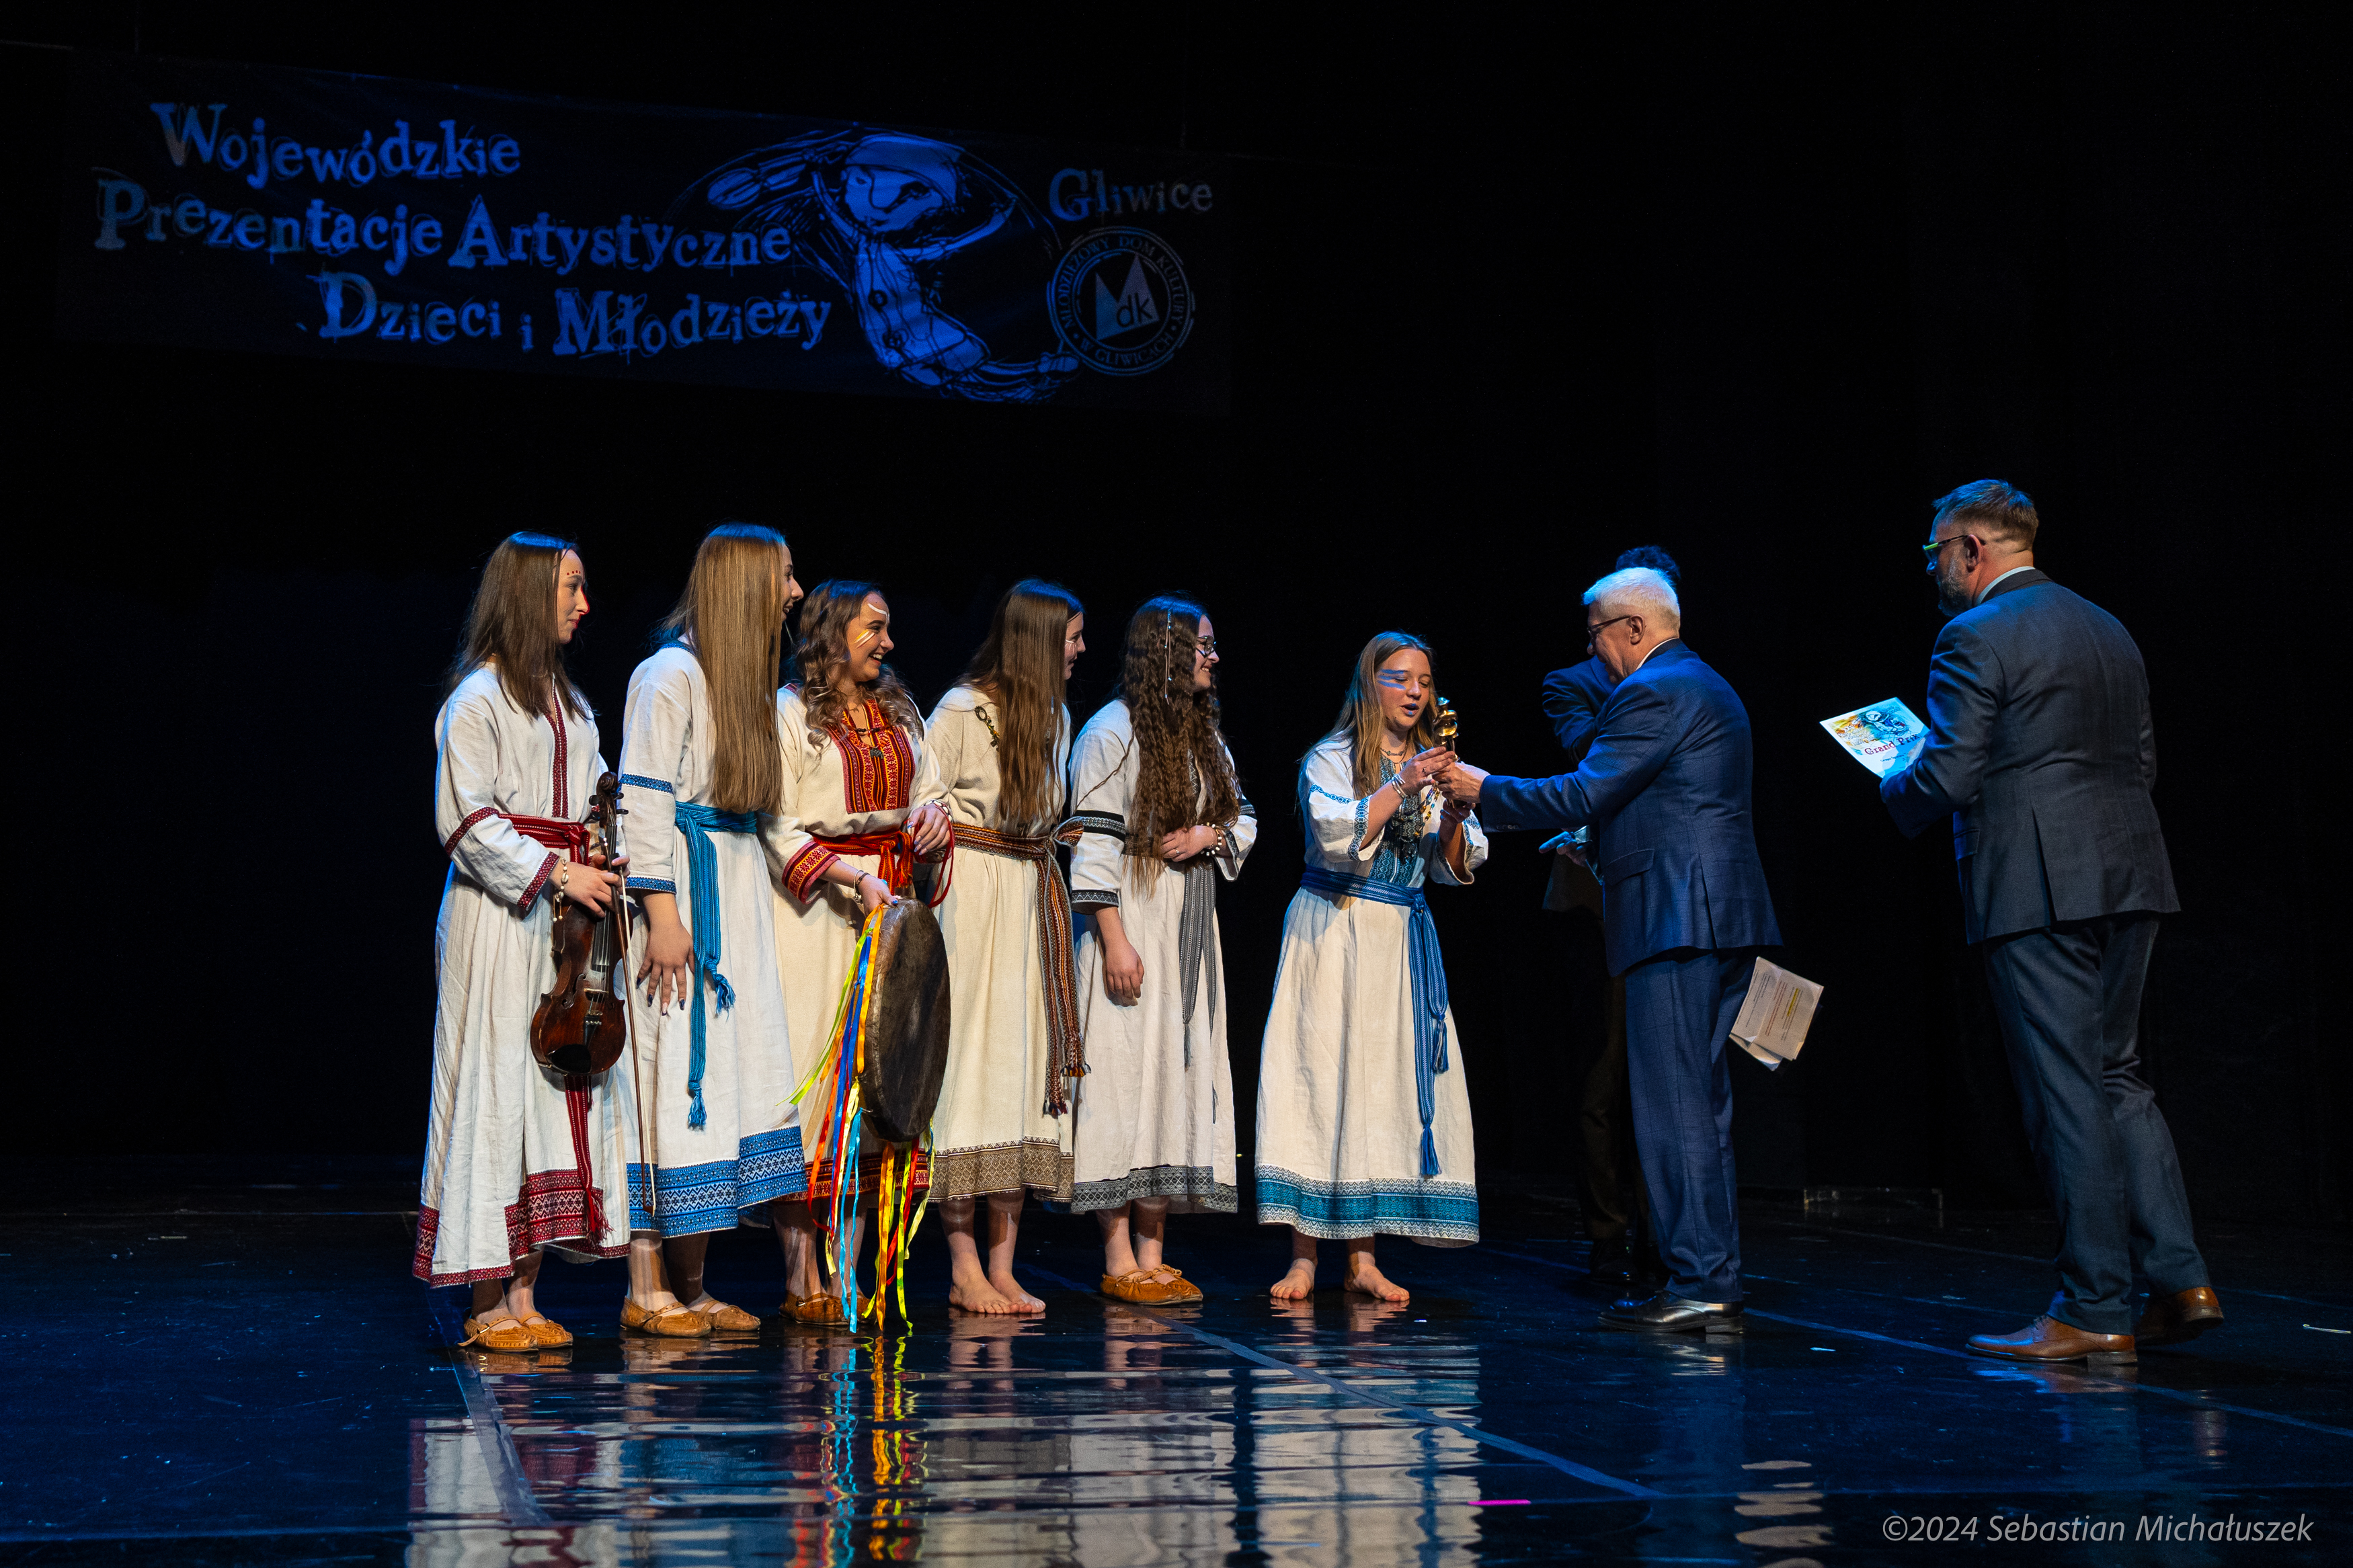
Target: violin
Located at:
point(583, 1024)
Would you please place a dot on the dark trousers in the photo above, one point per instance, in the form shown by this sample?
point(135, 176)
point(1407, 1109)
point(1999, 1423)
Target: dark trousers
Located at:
point(1678, 1012)
point(2069, 1002)
point(1609, 1172)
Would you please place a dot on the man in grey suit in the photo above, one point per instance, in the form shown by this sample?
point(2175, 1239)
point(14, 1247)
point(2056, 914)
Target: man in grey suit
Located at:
point(2040, 752)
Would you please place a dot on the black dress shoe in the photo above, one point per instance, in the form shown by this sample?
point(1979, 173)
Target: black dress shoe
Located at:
point(1667, 1313)
point(1613, 1264)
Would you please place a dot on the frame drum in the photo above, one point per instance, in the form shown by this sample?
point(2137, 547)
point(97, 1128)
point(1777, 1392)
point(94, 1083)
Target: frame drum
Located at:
point(906, 1046)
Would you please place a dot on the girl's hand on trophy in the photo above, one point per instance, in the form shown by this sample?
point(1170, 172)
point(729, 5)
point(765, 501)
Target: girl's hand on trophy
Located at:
point(1425, 768)
point(928, 825)
point(1187, 842)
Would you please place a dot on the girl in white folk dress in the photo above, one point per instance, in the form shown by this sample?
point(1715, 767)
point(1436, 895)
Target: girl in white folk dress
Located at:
point(1364, 1120)
point(1153, 789)
point(518, 1157)
point(1001, 737)
point(700, 768)
point(860, 807)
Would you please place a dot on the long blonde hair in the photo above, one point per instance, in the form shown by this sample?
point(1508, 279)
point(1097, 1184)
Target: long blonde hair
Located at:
point(824, 646)
point(511, 626)
point(1359, 722)
point(1019, 669)
point(732, 617)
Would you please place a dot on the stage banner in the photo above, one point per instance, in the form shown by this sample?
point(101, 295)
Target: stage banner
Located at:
point(307, 213)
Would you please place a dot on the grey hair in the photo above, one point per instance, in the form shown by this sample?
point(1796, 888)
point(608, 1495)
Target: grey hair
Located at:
point(1638, 591)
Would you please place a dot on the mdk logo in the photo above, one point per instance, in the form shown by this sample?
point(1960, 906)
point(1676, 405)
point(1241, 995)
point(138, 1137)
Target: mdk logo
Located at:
point(1121, 303)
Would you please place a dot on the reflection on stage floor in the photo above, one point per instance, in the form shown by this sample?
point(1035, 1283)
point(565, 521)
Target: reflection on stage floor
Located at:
point(243, 1376)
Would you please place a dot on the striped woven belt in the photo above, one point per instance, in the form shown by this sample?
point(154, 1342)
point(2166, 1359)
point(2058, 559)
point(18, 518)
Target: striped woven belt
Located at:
point(1054, 947)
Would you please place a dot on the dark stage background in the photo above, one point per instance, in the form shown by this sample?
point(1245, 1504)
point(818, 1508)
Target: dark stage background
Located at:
point(1508, 300)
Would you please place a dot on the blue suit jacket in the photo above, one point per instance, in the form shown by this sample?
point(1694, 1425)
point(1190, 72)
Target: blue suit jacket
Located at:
point(2040, 747)
point(1573, 700)
point(1666, 789)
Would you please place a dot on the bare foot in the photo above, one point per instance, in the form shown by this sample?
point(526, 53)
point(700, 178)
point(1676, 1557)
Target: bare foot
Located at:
point(1367, 1280)
point(1297, 1284)
point(977, 1295)
point(1010, 1289)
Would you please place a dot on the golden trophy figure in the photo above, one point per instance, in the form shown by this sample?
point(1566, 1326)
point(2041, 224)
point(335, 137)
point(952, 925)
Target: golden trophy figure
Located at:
point(1445, 726)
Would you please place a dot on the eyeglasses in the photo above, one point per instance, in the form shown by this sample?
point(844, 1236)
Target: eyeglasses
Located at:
point(1594, 630)
point(1208, 646)
point(1928, 551)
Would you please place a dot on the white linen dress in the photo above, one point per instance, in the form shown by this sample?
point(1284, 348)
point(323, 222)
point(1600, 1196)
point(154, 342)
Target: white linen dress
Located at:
point(992, 1132)
point(1339, 1120)
point(1155, 1115)
point(838, 788)
point(748, 1149)
point(512, 1157)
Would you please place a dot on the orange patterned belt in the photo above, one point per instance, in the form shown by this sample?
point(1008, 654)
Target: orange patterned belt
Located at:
point(895, 851)
point(1054, 947)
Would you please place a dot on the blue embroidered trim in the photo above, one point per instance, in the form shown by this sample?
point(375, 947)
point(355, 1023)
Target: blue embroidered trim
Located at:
point(1363, 807)
point(1334, 1211)
point(1106, 822)
point(644, 783)
point(651, 885)
point(695, 1199)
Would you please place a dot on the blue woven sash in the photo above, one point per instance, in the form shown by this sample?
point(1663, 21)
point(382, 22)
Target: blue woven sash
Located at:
point(1428, 971)
point(696, 824)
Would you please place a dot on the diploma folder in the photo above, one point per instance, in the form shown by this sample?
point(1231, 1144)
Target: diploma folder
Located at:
point(1775, 1018)
point(1881, 736)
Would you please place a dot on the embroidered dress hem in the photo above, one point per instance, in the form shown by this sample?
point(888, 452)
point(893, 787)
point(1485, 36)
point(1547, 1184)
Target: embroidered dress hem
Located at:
point(870, 1178)
point(1190, 1189)
point(550, 1210)
point(1033, 1163)
point(694, 1199)
point(1436, 1214)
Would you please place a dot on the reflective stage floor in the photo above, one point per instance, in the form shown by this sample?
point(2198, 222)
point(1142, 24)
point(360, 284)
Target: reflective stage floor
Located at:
point(233, 1368)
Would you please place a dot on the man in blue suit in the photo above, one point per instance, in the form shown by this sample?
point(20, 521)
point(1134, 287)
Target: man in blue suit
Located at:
point(1666, 787)
point(2040, 753)
point(1616, 1212)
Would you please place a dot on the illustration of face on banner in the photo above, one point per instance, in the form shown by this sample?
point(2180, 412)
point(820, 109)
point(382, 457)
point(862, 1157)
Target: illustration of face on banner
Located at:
point(296, 211)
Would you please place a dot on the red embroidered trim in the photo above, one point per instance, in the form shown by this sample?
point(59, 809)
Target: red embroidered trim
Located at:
point(808, 865)
point(562, 760)
point(548, 1209)
point(480, 813)
point(870, 1178)
point(546, 869)
point(869, 782)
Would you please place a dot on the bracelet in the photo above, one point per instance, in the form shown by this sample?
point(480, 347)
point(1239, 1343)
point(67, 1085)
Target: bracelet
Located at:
point(563, 875)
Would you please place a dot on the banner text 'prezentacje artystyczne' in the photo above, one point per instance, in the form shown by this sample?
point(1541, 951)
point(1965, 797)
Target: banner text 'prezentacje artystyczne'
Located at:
point(298, 212)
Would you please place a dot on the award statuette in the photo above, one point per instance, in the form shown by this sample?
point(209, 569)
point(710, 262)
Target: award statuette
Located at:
point(1445, 726)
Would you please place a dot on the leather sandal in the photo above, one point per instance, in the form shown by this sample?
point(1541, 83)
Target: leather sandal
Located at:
point(1174, 1282)
point(547, 1334)
point(722, 1315)
point(818, 1308)
point(672, 1322)
point(1138, 1286)
point(499, 1334)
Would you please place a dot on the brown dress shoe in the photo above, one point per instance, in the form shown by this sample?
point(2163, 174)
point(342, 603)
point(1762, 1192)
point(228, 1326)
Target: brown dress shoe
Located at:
point(2184, 1315)
point(2047, 1339)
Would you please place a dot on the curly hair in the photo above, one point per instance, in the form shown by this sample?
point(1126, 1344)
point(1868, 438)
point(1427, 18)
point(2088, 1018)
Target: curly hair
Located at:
point(1181, 753)
point(824, 647)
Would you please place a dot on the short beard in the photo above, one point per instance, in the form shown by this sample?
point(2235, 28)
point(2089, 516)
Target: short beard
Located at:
point(1952, 596)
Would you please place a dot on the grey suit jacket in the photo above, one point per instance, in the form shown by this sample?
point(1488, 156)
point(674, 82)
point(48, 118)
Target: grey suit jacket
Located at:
point(2039, 746)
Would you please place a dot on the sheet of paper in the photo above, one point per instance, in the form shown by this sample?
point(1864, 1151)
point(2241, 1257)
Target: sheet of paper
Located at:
point(1883, 737)
point(1776, 1014)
